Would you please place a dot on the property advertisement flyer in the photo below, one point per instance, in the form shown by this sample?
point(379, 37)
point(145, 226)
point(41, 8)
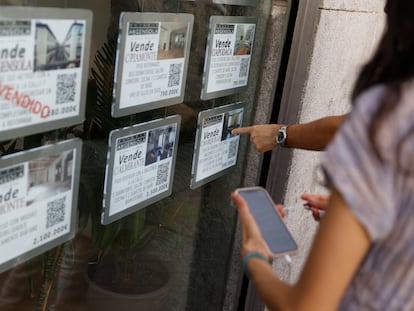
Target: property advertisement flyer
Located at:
point(228, 55)
point(238, 2)
point(152, 61)
point(43, 67)
point(38, 200)
point(216, 148)
point(140, 168)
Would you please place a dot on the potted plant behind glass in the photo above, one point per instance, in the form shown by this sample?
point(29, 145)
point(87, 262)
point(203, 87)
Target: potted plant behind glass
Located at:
point(124, 276)
point(121, 273)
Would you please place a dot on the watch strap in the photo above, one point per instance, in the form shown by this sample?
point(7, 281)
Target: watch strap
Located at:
point(281, 138)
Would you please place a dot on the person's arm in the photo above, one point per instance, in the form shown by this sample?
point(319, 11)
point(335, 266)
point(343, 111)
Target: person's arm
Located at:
point(339, 247)
point(314, 135)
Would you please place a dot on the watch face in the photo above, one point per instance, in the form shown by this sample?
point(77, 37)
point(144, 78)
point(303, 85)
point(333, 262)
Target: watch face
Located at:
point(280, 137)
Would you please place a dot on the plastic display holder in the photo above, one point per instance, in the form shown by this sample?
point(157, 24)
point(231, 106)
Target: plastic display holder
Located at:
point(38, 200)
point(44, 62)
point(238, 2)
point(216, 149)
point(228, 56)
point(140, 166)
point(151, 62)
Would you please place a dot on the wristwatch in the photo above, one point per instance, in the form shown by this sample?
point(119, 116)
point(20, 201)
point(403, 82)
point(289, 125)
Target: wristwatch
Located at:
point(282, 136)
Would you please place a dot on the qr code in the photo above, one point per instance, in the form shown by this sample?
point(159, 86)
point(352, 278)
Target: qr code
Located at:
point(244, 66)
point(232, 148)
point(174, 75)
point(162, 174)
point(66, 88)
point(55, 212)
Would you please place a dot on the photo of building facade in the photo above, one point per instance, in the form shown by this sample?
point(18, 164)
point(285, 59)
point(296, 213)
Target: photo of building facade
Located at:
point(50, 54)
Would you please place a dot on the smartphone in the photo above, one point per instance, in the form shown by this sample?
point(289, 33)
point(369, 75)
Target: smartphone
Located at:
point(274, 230)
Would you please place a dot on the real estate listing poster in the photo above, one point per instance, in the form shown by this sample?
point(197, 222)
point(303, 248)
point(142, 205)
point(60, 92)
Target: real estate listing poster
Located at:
point(44, 60)
point(152, 60)
point(238, 2)
point(38, 199)
point(140, 167)
point(228, 55)
point(216, 149)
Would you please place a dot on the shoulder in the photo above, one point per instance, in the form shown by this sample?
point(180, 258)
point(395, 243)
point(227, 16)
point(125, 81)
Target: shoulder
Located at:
point(369, 101)
point(363, 164)
point(393, 131)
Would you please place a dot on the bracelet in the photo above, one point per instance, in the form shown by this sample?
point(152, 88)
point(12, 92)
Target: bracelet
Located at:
point(250, 256)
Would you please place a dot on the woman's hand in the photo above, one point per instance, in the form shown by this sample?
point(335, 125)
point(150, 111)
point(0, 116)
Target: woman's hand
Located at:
point(253, 241)
point(317, 203)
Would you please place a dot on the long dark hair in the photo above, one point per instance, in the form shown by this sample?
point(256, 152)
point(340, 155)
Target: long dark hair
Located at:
point(392, 64)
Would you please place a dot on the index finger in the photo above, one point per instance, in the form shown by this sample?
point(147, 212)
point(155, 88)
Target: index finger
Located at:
point(242, 130)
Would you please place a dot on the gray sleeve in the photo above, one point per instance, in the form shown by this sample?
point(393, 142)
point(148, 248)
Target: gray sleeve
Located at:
point(362, 179)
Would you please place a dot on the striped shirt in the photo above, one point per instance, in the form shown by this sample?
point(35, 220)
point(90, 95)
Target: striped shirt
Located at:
point(381, 197)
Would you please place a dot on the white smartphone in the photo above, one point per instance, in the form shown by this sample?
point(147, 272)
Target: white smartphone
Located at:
point(274, 230)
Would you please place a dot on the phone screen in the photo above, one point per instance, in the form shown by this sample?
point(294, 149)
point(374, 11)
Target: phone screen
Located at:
point(274, 230)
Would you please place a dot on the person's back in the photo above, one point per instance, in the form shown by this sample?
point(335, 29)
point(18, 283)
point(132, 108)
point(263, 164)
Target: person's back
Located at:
point(375, 176)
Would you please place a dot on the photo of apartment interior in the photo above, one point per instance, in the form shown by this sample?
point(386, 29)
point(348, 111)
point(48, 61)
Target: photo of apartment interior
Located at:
point(49, 176)
point(160, 144)
point(232, 120)
point(244, 39)
point(172, 40)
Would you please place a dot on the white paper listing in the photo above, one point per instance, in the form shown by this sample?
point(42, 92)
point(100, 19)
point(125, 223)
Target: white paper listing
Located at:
point(38, 199)
point(216, 148)
point(152, 59)
point(229, 55)
point(140, 167)
point(42, 69)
